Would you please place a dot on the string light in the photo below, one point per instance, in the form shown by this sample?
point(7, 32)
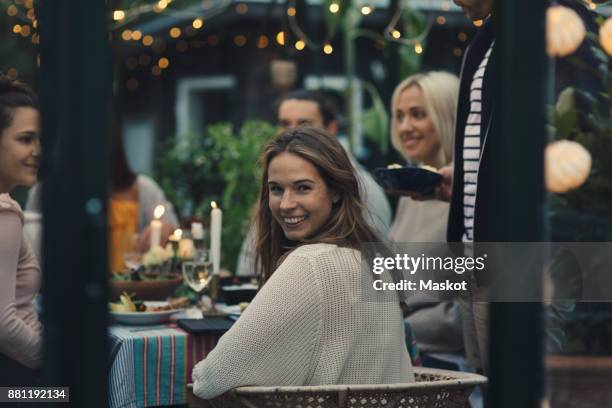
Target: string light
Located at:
point(197, 23)
point(11, 10)
point(441, 20)
point(365, 10)
point(301, 35)
point(280, 38)
point(418, 48)
point(262, 42)
point(118, 15)
point(478, 23)
point(242, 8)
point(147, 40)
point(16, 28)
point(136, 35)
point(462, 37)
point(240, 40)
point(162, 4)
point(126, 35)
point(392, 34)
point(156, 70)
point(328, 49)
point(300, 45)
point(25, 31)
point(175, 32)
point(291, 12)
point(163, 63)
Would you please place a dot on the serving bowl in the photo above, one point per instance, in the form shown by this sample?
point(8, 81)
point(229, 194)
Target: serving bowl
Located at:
point(144, 289)
point(407, 180)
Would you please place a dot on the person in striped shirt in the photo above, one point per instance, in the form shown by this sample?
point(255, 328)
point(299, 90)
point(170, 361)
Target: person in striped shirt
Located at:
point(468, 220)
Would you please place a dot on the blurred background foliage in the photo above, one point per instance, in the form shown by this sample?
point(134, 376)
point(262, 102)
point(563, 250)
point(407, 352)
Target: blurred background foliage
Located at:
point(219, 165)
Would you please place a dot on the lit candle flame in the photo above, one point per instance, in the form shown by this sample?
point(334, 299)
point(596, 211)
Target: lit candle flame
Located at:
point(213, 204)
point(159, 211)
point(177, 234)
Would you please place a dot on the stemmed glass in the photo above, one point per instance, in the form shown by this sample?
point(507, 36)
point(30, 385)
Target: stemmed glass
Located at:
point(131, 255)
point(198, 272)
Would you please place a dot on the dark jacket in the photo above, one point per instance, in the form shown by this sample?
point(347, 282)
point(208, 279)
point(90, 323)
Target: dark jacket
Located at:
point(486, 227)
point(472, 59)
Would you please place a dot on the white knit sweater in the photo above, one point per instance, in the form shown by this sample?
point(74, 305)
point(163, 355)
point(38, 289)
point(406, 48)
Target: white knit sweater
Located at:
point(309, 325)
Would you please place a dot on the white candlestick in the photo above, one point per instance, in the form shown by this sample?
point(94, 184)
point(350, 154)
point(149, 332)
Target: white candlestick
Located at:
point(156, 227)
point(216, 217)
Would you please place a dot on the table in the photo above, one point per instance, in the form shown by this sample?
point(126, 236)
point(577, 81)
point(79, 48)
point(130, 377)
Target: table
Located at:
point(151, 365)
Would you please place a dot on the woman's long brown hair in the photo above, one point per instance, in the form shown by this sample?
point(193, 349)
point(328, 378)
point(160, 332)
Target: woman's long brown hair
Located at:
point(346, 226)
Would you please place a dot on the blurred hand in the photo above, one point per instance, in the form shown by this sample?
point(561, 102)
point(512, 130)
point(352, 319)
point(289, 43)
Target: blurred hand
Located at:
point(444, 191)
point(145, 237)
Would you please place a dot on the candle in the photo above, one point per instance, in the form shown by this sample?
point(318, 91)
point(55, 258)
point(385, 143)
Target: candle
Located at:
point(185, 248)
point(176, 235)
point(156, 226)
point(216, 216)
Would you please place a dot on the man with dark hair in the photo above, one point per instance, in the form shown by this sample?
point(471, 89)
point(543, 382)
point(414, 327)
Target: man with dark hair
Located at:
point(306, 108)
point(310, 108)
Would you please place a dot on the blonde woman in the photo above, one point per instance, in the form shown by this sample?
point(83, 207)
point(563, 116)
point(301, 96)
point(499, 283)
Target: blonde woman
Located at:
point(422, 128)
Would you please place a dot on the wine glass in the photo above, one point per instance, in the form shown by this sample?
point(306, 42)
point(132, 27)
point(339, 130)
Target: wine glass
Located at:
point(198, 272)
point(131, 255)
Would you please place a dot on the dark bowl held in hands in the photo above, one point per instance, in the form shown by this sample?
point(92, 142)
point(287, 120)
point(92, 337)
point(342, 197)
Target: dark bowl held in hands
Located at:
point(408, 180)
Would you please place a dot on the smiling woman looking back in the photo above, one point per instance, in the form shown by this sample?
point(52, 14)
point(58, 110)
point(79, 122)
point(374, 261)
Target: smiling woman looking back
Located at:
point(309, 323)
point(20, 328)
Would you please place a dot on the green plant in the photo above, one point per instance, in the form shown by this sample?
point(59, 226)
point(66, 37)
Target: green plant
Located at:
point(218, 165)
point(583, 115)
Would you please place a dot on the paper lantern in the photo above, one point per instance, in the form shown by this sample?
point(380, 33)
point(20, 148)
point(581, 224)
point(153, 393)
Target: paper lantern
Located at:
point(567, 166)
point(565, 31)
point(605, 36)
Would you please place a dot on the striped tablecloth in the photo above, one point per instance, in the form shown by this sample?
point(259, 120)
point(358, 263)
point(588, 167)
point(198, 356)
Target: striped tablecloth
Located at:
point(152, 364)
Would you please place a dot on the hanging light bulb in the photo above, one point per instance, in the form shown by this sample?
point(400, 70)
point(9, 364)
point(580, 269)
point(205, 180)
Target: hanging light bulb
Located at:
point(567, 166)
point(565, 31)
point(365, 10)
point(605, 36)
point(118, 15)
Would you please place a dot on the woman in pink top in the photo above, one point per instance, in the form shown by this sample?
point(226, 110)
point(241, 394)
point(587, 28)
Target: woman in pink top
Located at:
point(20, 278)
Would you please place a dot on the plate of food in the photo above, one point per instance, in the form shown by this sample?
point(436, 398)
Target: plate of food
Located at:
point(408, 180)
point(131, 311)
